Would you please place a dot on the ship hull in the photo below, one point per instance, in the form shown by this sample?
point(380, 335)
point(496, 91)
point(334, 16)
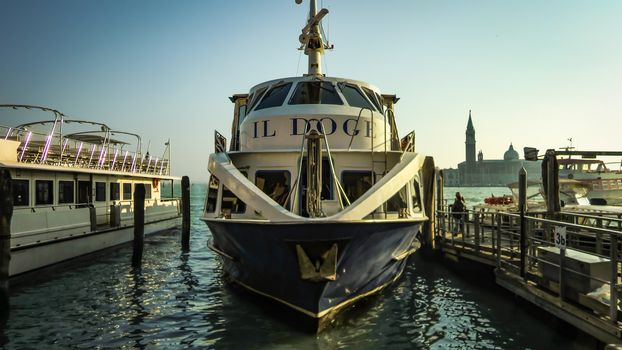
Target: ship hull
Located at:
point(265, 258)
point(39, 255)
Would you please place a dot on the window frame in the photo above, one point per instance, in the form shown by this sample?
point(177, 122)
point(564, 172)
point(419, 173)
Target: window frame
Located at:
point(288, 184)
point(212, 194)
point(357, 171)
point(148, 190)
point(343, 85)
point(27, 194)
point(61, 198)
point(373, 98)
point(99, 192)
point(114, 195)
point(123, 192)
point(50, 192)
point(286, 86)
point(299, 86)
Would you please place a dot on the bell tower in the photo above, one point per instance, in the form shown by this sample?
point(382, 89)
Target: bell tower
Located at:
point(470, 144)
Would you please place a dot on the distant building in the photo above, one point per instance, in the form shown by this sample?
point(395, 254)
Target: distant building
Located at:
point(496, 172)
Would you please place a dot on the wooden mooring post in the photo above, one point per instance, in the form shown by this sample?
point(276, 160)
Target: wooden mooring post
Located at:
point(139, 224)
point(522, 207)
point(6, 213)
point(185, 209)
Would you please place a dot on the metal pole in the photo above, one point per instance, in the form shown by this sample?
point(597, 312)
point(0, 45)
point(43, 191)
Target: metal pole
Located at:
point(498, 240)
point(185, 207)
point(476, 219)
point(562, 257)
point(6, 213)
point(139, 223)
point(613, 286)
point(522, 206)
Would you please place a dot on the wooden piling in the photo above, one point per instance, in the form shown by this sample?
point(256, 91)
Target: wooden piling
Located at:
point(185, 208)
point(6, 213)
point(429, 192)
point(139, 223)
point(522, 207)
point(552, 185)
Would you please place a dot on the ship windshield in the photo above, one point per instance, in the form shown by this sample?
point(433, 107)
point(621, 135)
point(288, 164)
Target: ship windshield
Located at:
point(354, 96)
point(315, 92)
point(254, 98)
point(373, 98)
point(275, 96)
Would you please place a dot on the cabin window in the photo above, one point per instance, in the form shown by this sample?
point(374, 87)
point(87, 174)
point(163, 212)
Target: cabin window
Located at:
point(254, 98)
point(115, 191)
point(127, 191)
point(373, 97)
point(84, 192)
point(44, 193)
point(416, 195)
point(275, 96)
point(65, 192)
point(212, 194)
point(147, 191)
point(398, 201)
point(21, 193)
point(230, 202)
point(356, 183)
point(354, 96)
point(274, 183)
point(315, 92)
point(100, 191)
point(241, 114)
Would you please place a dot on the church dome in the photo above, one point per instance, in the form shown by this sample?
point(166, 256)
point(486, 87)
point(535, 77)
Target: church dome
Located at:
point(510, 154)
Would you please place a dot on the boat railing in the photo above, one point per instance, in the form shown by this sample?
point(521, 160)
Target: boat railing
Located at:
point(53, 149)
point(51, 207)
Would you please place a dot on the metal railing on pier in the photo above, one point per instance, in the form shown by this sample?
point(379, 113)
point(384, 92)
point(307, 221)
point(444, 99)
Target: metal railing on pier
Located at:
point(575, 259)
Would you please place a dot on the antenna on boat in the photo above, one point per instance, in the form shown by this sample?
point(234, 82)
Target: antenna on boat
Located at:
point(311, 38)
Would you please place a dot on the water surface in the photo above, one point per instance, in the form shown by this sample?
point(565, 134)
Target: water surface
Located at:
point(179, 300)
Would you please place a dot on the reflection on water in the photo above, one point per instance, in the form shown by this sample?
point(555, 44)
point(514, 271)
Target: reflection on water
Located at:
point(178, 299)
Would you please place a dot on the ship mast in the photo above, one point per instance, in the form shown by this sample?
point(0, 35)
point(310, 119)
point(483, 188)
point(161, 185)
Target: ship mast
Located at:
point(311, 38)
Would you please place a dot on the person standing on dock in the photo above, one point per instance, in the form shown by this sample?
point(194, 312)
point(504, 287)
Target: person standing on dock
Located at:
point(458, 210)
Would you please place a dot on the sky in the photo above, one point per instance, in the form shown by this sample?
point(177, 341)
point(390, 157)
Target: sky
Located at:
point(534, 73)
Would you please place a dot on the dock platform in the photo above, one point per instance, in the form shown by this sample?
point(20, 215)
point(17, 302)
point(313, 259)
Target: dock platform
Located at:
point(527, 258)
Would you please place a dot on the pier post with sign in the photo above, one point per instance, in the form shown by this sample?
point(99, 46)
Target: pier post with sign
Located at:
point(139, 223)
point(185, 208)
point(6, 213)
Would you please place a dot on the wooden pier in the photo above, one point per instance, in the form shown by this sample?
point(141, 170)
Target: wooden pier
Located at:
point(527, 259)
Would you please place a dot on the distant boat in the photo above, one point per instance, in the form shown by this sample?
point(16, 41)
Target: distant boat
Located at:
point(318, 202)
point(72, 187)
point(603, 185)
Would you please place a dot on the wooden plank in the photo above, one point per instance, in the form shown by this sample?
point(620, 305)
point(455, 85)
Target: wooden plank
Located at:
point(597, 327)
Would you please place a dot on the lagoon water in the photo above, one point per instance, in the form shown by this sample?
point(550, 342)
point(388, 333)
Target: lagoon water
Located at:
point(179, 300)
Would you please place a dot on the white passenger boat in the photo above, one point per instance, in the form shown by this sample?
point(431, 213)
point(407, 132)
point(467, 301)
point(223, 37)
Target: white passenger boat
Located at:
point(603, 185)
point(72, 187)
point(317, 203)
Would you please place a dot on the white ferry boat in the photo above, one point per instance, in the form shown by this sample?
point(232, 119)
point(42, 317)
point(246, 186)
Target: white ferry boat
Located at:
point(72, 187)
point(317, 202)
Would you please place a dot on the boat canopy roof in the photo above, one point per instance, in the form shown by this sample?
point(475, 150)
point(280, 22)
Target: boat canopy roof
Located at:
point(93, 138)
point(564, 161)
